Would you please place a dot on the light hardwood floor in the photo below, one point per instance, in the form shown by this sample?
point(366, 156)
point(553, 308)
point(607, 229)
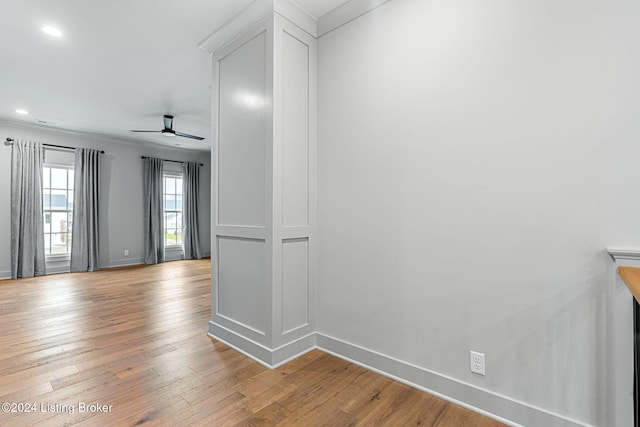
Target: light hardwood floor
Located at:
point(136, 339)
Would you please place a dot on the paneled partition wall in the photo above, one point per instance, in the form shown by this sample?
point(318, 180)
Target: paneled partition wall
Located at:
point(264, 181)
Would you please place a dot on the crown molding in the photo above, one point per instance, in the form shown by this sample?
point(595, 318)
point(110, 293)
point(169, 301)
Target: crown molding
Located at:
point(346, 13)
point(624, 252)
point(254, 13)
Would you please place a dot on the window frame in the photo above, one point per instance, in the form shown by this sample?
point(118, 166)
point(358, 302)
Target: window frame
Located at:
point(172, 175)
point(58, 256)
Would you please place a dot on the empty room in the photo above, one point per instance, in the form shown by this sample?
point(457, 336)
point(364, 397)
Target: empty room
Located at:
point(320, 213)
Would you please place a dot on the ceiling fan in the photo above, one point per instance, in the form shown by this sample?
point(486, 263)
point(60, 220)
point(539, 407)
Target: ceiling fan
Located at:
point(168, 130)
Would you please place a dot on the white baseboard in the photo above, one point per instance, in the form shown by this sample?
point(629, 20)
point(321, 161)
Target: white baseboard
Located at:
point(5, 275)
point(124, 262)
point(271, 358)
point(493, 405)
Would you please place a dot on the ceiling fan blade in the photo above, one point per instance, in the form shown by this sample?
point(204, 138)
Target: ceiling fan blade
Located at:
point(168, 122)
point(152, 131)
point(186, 135)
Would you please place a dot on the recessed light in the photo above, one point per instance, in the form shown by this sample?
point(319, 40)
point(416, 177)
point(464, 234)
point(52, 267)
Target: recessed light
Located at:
point(52, 31)
point(21, 111)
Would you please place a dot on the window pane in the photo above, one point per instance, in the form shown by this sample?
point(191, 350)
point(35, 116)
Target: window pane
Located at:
point(46, 177)
point(169, 202)
point(179, 237)
point(58, 199)
point(170, 185)
point(179, 186)
point(70, 200)
point(47, 222)
point(170, 237)
point(58, 243)
point(171, 220)
point(47, 244)
point(46, 199)
point(59, 222)
point(179, 220)
point(58, 178)
point(179, 203)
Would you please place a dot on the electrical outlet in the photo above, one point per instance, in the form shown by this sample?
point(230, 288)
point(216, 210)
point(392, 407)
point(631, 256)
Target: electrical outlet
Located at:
point(126, 252)
point(476, 362)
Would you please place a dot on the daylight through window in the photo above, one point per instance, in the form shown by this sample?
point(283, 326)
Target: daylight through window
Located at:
point(58, 209)
point(172, 211)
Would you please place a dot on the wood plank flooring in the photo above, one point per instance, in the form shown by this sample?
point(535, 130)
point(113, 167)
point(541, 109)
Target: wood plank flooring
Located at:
point(131, 345)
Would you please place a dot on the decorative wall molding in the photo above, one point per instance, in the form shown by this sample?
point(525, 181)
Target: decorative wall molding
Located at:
point(624, 252)
point(271, 358)
point(297, 16)
point(252, 15)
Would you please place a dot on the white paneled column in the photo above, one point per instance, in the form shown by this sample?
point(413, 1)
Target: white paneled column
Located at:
point(264, 182)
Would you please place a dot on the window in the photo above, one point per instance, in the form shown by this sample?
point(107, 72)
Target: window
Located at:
point(58, 209)
point(172, 211)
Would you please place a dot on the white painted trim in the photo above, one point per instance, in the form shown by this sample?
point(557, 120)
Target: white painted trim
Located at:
point(253, 14)
point(496, 406)
point(297, 16)
point(237, 26)
point(5, 275)
point(124, 262)
point(624, 252)
point(346, 13)
point(271, 358)
point(293, 349)
point(242, 325)
point(246, 346)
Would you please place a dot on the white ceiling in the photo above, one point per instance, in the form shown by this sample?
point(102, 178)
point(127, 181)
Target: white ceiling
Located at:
point(120, 64)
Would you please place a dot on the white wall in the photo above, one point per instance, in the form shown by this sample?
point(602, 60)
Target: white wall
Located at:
point(475, 159)
point(121, 186)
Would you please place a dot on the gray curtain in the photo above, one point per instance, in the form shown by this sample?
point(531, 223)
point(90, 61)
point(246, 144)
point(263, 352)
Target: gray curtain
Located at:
point(27, 222)
point(85, 241)
point(153, 211)
point(190, 218)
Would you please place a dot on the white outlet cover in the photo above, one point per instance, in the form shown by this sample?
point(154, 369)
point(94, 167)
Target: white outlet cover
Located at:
point(476, 363)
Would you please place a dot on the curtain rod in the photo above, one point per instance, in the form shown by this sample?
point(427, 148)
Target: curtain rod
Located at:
point(174, 161)
point(9, 141)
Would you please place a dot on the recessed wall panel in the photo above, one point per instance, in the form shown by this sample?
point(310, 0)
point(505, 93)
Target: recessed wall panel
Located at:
point(242, 120)
point(295, 144)
point(295, 284)
point(241, 286)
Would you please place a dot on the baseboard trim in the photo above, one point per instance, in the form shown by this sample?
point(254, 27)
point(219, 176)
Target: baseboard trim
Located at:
point(125, 262)
point(5, 275)
point(502, 408)
point(271, 358)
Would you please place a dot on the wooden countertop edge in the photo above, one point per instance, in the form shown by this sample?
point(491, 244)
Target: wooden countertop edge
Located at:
point(631, 278)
